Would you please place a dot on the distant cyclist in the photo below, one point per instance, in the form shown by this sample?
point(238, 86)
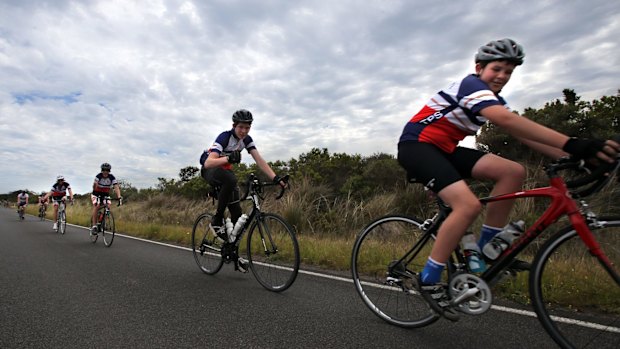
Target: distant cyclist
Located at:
point(22, 201)
point(104, 182)
point(43, 200)
point(58, 194)
point(217, 163)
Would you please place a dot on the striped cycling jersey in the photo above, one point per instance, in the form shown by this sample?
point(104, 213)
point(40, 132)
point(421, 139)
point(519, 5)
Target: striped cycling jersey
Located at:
point(59, 190)
point(102, 185)
point(22, 198)
point(227, 142)
point(452, 114)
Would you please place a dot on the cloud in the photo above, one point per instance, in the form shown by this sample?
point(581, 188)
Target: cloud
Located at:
point(147, 85)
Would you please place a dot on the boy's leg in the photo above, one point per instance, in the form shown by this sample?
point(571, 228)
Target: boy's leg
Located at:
point(228, 182)
point(508, 177)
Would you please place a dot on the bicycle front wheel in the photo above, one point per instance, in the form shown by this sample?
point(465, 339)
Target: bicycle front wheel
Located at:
point(576, 297)
point(108, 229)
point(62, 222)
point(387, 286)
point(42, 213)
point(206, 246)
point(273, 252)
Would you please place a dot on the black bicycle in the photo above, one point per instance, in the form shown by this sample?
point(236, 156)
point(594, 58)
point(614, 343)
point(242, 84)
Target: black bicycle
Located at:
point(272, 249)
point(105, 221)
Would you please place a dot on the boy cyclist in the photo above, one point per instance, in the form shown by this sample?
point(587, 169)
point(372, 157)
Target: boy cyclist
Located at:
point(104, 182)
point(217, 163)
point(428, 151)
point(58, 193)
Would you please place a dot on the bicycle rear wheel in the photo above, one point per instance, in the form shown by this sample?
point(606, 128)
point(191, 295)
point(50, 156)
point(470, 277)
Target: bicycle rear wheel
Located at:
point(108, 229)
point(62, 222)
point(273, 252)
point(206, 246)
point(388, 288)
point(577, 300)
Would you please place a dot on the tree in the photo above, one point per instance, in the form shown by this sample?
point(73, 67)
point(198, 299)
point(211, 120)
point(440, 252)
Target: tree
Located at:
point(187, 173)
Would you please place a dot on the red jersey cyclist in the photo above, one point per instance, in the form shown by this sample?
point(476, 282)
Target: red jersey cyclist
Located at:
point(428, 150)
point(104, 182)
point(58, 194)
point(217, 163)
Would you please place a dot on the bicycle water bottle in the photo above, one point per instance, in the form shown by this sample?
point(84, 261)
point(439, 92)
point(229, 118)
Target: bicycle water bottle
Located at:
point(229, 226)
point(500, 242)
point(472, 253)
point(237, 228)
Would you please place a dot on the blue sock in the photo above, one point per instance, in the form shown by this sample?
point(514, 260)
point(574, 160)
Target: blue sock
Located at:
point(486, 234)
point(431, 274)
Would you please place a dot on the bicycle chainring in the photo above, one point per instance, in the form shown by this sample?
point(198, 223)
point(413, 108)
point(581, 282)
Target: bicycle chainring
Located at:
point(470, 294)
point(229, 252)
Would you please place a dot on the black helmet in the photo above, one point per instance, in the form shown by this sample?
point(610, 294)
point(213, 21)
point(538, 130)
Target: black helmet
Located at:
point(501, 50)
point(106, 167)
point(242, 115)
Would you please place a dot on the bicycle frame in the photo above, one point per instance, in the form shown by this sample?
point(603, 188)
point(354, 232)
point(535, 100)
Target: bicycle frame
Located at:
point(561, 204)
point(255, 212)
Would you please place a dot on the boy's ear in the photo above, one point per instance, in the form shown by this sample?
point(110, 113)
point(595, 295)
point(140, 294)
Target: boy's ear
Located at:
point(478, 68)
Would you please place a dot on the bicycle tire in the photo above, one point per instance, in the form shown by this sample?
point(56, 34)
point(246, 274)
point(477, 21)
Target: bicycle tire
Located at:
point(273, 252)
point(577, 300)
point(206, 247)
point(62, 222)
point(392, 298)
point(108, 229)
point(42, 213)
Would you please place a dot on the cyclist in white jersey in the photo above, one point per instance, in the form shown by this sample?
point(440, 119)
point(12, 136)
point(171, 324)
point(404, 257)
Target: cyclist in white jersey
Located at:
point(22, 200)
point(428, 151)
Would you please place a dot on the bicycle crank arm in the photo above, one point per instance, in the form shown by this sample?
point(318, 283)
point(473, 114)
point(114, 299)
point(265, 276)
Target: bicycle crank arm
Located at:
point(463, 296)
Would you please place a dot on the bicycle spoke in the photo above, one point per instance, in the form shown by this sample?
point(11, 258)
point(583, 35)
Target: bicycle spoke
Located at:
point(386, 286)
point(273, 252)
point(206, 247)
point(576, 299)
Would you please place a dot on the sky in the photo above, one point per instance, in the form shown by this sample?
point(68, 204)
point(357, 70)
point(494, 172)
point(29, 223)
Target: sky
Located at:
point(147, 85)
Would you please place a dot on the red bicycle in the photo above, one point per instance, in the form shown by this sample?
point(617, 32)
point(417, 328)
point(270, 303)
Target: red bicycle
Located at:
point(574, 280)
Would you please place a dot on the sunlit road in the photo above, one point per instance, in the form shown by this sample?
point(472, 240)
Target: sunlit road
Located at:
point(62, 291)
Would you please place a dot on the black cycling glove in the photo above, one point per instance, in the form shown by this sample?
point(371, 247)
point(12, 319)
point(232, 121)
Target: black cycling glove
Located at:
point(234, 157)
point(583, 148)
point(277, 179)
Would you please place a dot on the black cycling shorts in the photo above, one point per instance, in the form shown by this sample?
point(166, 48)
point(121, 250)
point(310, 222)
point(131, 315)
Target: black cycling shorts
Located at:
point(427, 164)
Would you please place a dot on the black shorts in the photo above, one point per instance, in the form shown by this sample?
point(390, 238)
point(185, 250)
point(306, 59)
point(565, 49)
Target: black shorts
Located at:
point(436, 169)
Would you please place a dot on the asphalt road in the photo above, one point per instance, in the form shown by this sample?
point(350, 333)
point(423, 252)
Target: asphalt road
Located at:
point(62, 291)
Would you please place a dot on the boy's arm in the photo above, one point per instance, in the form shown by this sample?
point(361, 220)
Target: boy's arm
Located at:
point(262, 164)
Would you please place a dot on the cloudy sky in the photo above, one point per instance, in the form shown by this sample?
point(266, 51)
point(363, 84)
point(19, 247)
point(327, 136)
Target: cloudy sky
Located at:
point(146, 85)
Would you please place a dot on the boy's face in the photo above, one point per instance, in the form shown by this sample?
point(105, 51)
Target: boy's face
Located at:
point(242, 129)
point(496, 74)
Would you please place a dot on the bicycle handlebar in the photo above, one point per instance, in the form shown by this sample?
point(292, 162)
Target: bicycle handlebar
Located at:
point(253, 184)
point(590, 183)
